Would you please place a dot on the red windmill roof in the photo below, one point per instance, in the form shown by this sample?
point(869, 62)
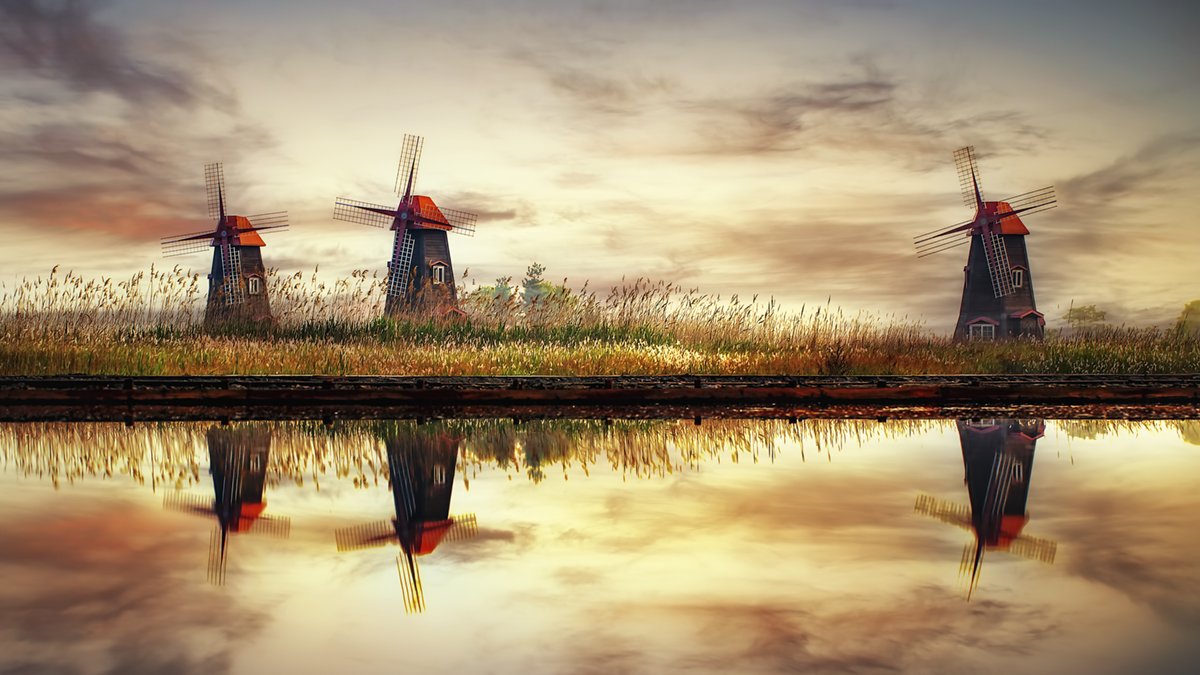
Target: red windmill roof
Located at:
point(1010, 225)
point(247, 235)
point(430, 211)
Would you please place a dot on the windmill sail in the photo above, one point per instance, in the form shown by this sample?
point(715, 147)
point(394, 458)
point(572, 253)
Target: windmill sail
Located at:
point(399, 265)
point(406, 169)
point(968, 176)
point(410, 583)
point(214, 188)
point(217, 543)
point(367, 535)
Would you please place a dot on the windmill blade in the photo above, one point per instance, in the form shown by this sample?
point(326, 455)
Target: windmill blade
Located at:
point(368, 535)
point(188, 503)
point(954, 243)
point(461, 222)
point(410, 583)
point(1030, 203)
point(1034, 548)
point(410, 161)
point(264, 221)
point(269, 228)
point(190, 236)
point(924, 238)
point(186, 247)
point(363, 213)
point(216, 556)
point(231, 274)
point(968, 176)
point(999, 269)
point(970, 566)
point(943, 510)
point(464, 527)
point(400, 264)
point(214, 188)
point(272, 526)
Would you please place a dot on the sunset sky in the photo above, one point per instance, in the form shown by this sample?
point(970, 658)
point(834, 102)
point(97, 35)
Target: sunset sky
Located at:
point(785, 148)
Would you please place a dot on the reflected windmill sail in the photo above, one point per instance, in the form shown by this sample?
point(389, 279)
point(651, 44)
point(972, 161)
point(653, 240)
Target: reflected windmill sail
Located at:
point(998, 461)
point(238, 460)
point(421, 467)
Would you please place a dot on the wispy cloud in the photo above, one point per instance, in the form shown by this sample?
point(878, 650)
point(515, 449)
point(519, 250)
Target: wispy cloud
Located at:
point(62, 40)
point(114, 138)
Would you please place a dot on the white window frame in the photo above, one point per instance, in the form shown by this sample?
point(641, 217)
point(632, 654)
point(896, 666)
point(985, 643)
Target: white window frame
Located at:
point(439, 474)
point(437, 273)
point(1018, 277)
point(984, 332)
point(254, 284)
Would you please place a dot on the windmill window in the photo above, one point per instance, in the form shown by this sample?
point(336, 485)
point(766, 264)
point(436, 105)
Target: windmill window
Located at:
point(254, 285)
point(1018, 277)
point(439, 474)
point(439, 273)
point(982, 331)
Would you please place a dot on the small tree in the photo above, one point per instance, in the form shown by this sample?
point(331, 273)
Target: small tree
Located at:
point(1189, 318)
point(534, 287)
point(1084, 316)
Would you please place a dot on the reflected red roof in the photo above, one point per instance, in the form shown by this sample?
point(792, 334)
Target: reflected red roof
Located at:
point(431, 535)
point(250, 512)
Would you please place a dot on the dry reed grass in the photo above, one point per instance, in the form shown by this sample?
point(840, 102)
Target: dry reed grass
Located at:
point(151, 324)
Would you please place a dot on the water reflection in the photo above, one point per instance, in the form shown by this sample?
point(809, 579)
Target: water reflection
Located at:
point(998, 460)
point(609, 545)
point(421, 466)
point(238, 459)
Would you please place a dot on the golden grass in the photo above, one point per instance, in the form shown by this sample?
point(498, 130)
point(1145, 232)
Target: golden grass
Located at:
point(151, 324)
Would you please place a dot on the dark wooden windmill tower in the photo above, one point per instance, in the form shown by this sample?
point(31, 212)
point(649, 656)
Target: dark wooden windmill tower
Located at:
point(237, 284)
point(420, 273)
point(997, 298)
point(238, 463)
point(421, 466)
point(998, 458)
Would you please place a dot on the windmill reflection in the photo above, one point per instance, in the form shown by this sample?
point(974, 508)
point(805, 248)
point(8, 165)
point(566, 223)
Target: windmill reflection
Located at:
point(421, 465)
point(238, 463)
point(998, 458)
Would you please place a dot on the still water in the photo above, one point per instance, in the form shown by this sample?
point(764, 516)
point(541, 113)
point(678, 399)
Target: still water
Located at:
point(840, 546)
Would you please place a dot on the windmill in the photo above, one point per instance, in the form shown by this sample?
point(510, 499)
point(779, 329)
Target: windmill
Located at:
point(238, 463)
point(237, 285)
point(997, 299)
point(420, 274)
point(998, 457)
point(421, 470)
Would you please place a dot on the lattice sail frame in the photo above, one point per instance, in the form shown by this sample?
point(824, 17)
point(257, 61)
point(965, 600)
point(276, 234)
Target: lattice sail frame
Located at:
point(214, 188)
point(408, 166)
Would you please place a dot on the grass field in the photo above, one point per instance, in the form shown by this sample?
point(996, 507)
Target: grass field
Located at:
point(151, 324)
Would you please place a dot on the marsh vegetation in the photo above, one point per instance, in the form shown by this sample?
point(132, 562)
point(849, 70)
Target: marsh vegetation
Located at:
point(152, 324)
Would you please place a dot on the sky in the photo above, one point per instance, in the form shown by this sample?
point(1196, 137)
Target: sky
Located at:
point(786, 149)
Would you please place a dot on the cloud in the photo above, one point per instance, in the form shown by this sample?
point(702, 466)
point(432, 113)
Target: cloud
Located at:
point(62, 40)
point(126, 163)
point(1151, 170)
